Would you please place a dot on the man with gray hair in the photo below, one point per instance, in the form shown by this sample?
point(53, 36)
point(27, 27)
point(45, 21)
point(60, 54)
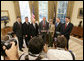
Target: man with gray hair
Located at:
point(43, 28)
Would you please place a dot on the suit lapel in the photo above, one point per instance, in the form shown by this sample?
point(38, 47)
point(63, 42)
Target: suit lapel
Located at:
point(19, 25)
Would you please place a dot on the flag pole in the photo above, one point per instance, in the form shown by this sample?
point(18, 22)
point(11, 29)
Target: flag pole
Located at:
point(54, 13)
point(55, 8)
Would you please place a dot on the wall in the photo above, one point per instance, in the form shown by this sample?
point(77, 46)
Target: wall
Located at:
point(9, 5)
point(74, 19)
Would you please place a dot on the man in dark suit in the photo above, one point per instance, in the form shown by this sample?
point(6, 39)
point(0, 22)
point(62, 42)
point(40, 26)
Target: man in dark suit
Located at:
point(43, 28)
point(26, 31)
point(33, 28)
point(57, 27)
point(17, 29)
point(66, 29)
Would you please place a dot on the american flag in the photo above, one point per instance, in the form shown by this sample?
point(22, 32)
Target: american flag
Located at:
point(33, 13)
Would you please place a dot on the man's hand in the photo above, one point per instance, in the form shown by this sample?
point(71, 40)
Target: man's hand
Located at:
point(25, 35)
point(62, 35)
point(45, 48)
point(12, 52)
point(43, 30)
point(4, 47)
point(31, 36)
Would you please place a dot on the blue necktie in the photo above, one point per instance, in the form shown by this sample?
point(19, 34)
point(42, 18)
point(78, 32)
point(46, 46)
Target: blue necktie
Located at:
point(56, 24)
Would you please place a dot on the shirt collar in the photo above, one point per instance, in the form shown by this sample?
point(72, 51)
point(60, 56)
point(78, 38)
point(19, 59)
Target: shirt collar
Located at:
point(18, 22)
point(60, 48)
point(57, 22)
point(33, 57)
point(43, 21)
point(33, 54)
point(67, 23)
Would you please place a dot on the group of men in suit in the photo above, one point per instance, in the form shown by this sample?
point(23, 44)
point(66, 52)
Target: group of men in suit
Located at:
point(25, 30)
point(28, 30)
point(64, 29)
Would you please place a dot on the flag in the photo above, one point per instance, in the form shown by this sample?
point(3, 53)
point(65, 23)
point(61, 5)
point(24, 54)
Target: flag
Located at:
point(33, 13)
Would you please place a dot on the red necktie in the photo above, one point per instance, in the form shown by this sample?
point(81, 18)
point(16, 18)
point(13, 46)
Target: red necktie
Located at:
point(65, 26)
point(44, 24)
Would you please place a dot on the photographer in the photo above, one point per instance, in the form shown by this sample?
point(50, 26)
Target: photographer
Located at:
point(13, 55)
point(35, 49)
point(36, 45)
point(60, 51)
point(8, 45)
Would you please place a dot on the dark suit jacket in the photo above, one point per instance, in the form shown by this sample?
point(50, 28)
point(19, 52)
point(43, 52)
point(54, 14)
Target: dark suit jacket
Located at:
point(33, 30)
point(26, 29)
point(66, 32)
point(17, 29)
point(57, 29)
point(41, 26)
point(54, 20)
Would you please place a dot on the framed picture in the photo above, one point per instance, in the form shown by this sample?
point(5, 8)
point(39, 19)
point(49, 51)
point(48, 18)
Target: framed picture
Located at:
point(80, 13)
point(4, 15)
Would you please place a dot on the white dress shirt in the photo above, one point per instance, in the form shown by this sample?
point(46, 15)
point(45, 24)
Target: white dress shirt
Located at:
point(34, 25)
point(58, 54)
point(67, 23)
point(2, 58)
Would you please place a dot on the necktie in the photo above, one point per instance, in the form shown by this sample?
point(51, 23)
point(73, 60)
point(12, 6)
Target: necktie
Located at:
point(65, 26)
point(20, 25)
point(56, 24)
point(44, 23)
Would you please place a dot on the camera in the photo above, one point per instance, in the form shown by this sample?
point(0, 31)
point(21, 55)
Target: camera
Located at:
point(11, 34)
point(7, 44)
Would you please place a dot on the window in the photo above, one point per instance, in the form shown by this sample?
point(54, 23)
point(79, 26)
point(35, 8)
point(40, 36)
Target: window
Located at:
point(25, 10)
point(43, 10)
point(61, 10)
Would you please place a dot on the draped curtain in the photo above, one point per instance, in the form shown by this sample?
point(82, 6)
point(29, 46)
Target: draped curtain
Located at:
point(34, 4)
point(70, 9)
point(17, 8)
point(52, 5)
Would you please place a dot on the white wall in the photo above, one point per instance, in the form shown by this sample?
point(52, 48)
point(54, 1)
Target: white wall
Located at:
point(8, 5)
point(74, 19)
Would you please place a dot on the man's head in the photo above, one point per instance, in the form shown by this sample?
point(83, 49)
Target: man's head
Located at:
point(26, 19)
point(36, 45)
point(57, 20)
point(18, 19)
point(44, 18)
point(67, 19)
point(61, 42)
